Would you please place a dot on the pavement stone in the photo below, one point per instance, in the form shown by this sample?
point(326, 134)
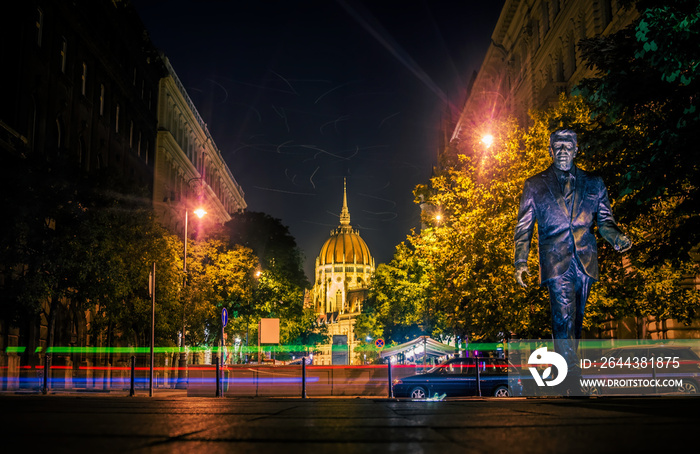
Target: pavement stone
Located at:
point(170, 422)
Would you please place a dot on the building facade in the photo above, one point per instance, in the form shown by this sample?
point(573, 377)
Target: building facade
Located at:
point(84, 84)
point(533, 57)
point(81, 87)
point(342, 274)
point(189, 172)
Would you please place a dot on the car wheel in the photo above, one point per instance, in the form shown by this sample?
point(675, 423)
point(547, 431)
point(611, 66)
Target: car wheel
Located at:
point(502, 391)
point(418, 393)
point(689, 387)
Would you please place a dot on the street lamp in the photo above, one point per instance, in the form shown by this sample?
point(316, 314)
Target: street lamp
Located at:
point(182, 372)
point(487, 140)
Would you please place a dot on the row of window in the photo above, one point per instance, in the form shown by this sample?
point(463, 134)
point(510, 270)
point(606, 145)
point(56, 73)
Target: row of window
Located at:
point(340, 269)
point(63, 59)
point(183, 134)
point(174, 120)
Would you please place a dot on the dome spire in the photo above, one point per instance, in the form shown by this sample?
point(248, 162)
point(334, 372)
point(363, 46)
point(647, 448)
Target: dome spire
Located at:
point(344, 213)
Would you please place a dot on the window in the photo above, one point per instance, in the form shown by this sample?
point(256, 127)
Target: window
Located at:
point(39, 25)
point(116, 120)
point(83, 79)
point(607, 12)
point(59, 132)
point(102, 100)
point(545, 19)
point(64, 51)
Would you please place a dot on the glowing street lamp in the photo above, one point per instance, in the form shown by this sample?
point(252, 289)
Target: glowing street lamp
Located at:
point(487, 140)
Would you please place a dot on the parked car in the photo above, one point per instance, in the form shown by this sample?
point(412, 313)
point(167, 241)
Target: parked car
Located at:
point(644, 369)
point(457, 377)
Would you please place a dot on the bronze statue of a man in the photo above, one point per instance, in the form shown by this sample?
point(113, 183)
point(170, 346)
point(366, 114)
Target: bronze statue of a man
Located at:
point(565, 202)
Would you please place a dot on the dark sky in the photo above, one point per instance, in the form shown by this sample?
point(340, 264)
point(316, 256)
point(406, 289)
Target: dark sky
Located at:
point(298, 95)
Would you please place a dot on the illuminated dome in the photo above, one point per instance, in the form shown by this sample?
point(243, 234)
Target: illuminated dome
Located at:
point(344, 268)
point(345, 246)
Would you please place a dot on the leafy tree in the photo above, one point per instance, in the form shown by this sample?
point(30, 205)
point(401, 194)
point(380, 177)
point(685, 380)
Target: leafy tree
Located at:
point(644, 102)
point(218, 277)
point(278, 290)
point(396, 307)
point(271, 241)
point(75, 242)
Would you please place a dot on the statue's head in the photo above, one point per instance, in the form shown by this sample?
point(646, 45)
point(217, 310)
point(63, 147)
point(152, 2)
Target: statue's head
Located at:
point(563, 148)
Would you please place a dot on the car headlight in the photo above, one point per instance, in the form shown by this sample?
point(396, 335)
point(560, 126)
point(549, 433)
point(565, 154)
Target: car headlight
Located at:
point(398, 381)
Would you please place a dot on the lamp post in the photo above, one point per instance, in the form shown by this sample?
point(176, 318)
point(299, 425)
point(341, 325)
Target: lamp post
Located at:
point(247, 321)
point(182, 371)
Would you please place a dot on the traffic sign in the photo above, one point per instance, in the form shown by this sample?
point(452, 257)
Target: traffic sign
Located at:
point(224, 316)
point(379, 343)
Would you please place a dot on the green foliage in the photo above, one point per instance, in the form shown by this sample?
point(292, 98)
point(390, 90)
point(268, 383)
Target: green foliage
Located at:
point(460, 267)
point(74, 243)
point(271, 241)
point(646, 123)
point(278, 282)
point(396, 307)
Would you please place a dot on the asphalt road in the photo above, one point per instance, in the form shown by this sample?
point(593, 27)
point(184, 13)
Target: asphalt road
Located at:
point(70, 423)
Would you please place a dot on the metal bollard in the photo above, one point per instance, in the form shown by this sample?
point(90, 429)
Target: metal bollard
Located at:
point(391, 389)
point(45, 386)
point(478, 376)
point(218, 377)
point(303, 377)
point(132, 390)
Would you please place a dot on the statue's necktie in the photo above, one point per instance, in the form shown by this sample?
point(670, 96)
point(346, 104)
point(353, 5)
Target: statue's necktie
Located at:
point(568, 189)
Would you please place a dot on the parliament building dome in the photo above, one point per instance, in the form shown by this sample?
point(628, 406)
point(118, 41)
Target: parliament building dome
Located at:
point(345, 246)
point(343, 271)
point(343, 266)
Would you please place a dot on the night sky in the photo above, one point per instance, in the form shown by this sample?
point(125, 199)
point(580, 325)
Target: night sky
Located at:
point(299, 95)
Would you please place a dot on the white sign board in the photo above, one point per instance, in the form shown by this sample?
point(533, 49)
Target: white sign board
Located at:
point(269, 331)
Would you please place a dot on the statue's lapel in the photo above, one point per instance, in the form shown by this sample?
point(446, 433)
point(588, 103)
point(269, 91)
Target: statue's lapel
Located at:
point(550, 179)
point(579, 190)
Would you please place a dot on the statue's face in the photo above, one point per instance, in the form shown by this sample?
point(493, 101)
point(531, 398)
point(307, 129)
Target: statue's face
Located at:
point(563, 151)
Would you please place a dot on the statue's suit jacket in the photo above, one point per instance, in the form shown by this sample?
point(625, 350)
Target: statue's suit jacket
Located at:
point(564, 234)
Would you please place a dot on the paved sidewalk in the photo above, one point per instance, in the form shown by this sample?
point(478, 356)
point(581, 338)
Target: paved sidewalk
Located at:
point(168, 423)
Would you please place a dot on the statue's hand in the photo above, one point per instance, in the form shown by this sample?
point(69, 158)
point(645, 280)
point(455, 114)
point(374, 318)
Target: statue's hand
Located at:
point(519, 270)
point(623, 244)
